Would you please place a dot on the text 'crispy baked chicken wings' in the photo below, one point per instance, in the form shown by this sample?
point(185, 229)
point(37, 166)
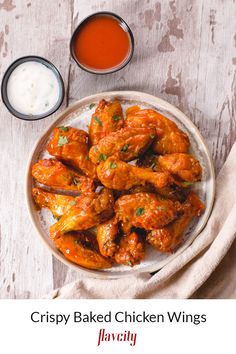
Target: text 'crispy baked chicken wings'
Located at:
point(126, 144)
point(58, 204)
point(119, 175)
point(88, 211)
point(146, 211)
point(71, 146)
point(172, 140)
point(131, 250)
point(108, 117)
point(81, 248)
point(54, 174)
point(166, 239)
point(106, 237)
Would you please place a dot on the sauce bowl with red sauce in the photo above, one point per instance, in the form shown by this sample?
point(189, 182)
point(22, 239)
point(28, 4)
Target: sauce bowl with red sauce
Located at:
point(102, 43)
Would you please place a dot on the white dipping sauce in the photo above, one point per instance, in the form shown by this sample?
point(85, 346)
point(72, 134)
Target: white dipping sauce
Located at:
point(32, 88)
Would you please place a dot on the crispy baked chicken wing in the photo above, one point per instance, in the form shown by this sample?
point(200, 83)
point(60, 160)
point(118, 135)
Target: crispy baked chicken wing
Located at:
point(54, 174)
point(126, 144)
point(166, 239)
point(146, 211)
point(183, 166)
point(131, 250)
point(119, 175)
point(81, 248)
point(71, 146)
point(88, 211)
point(108, 117)
point(106, 237)
point(58, 204)
point(173, 139)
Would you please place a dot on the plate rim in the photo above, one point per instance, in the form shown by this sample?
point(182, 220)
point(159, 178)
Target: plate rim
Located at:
point(145, 97)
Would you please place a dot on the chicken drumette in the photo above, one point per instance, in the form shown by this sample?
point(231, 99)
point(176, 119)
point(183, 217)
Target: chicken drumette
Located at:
point(131, 250)
point(119, 175)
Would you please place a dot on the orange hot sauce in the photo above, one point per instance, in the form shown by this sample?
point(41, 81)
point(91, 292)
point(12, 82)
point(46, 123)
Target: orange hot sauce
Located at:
point(101, 43)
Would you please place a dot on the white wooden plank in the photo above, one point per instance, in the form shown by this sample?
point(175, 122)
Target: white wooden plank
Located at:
point(25, 28)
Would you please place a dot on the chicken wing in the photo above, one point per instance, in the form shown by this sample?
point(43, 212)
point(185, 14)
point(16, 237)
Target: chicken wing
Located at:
point(54, 174)
point(168, 238)
point(146, 211)
point(131, 250)
point(106, 237)
point(183, 166)
point(108, 117)
point(71, 146)
point(88, 211)
point(119, 175)
point(80, 248)
point(173, 139)
point(126, 144)
point(58, 204)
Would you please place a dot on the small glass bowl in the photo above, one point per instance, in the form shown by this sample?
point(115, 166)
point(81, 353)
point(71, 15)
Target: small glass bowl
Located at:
point(123, 25)
point(7, 75)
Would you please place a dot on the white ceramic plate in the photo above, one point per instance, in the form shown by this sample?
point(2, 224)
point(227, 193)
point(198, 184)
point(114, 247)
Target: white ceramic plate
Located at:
point(79, 116)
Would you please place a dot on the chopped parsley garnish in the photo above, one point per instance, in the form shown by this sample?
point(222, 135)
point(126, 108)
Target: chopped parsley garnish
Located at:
point(64, 129)
point(102, 157)
point(113, 165)
point(116, 118)
point(95, 149)
point(161, 208)
point(86, 158)
point(124, 148)
point(139, 211)
point(72, 202)
point(187, 184)
point(62, 140)
point(129, 263)
point(91, 105)
point(97, 120)
point(76, 181)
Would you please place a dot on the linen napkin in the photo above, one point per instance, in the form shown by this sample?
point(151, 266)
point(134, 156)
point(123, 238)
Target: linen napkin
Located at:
point(185, 274)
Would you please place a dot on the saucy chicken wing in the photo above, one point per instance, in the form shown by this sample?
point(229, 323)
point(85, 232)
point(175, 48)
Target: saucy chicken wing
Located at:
point(131, 250)
point(106, 237)
point(108, 117)
point(145, 211)
point(173, 139)
point(71, 146)
point(183, 166)
point(81, 249)
point(126, 144)
point(119, 175)
point(88, 211)
point(58, 204)
point(168, 238)
point(54, 174)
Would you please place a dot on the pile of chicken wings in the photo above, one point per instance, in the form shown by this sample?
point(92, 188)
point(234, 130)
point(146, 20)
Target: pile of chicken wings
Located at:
point(122, 185)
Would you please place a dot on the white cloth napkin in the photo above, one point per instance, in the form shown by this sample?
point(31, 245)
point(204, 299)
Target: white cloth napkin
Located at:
point(187, 272)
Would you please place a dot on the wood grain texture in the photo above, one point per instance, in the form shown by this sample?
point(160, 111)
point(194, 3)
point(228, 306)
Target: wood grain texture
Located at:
point(185, 52)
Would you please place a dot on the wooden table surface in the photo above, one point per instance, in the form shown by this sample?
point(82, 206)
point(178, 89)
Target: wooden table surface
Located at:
point(185, 53)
